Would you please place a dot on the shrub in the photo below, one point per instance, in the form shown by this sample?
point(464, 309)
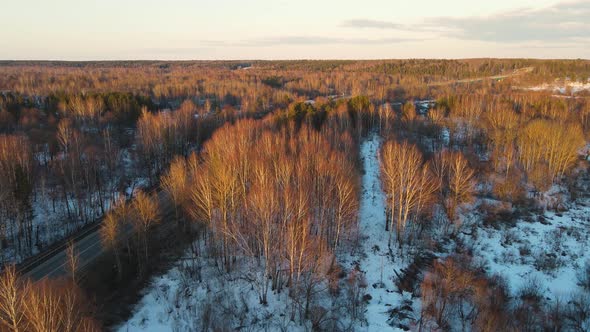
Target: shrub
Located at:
point(583, 276)
point(547, 262)
point(453, 291)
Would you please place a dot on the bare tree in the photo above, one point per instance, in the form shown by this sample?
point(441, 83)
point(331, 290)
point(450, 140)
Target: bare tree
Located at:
point(13, 292)
point(550, 144)
point(16, 181)
point(406, 183)
point(43, 306)
point(145, 215)
point(56, 305)
point(111, 231)
point(456, 178)
point(264, 208)
point(346, 201)
point(461, 184)
point(73, 260)
point(174, 182)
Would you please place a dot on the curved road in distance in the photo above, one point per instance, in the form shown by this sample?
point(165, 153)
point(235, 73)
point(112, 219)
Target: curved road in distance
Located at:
point(516, 72)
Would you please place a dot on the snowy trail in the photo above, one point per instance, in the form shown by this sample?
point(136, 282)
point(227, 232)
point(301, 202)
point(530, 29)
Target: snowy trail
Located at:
point(156, 312)
point(376, 264)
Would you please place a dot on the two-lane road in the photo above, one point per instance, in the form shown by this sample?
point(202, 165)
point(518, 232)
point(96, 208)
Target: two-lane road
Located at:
point(88, 248)
point(516, 72)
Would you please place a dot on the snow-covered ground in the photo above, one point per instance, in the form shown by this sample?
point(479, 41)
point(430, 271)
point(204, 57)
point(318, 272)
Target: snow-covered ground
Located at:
point(374, 240)
point(548, 250)
point(562, 87)
point(177, 301)
point(374, 258)
point(51, 224)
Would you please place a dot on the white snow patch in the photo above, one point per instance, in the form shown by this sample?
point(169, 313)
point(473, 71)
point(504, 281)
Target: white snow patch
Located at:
point(178, 301)
point(374, 259)
point(550, 252)
point(561, 88)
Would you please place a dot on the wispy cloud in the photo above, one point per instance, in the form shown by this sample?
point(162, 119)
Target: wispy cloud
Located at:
point(171, 50)
point(563, 22)
point(375, 24)
point(307, 40)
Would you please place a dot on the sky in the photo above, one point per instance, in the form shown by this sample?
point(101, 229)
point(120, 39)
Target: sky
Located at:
point(295, 29)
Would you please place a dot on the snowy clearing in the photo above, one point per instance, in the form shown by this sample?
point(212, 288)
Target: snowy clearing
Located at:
point(177, 301)
point(373, 257)
point(574, 87)
point(548, 250)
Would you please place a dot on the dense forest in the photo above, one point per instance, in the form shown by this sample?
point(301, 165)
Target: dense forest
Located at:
point(297, 195)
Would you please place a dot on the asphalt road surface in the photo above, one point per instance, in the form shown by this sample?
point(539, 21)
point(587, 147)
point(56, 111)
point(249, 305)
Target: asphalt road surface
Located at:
point(516, 72)
point(88, 249)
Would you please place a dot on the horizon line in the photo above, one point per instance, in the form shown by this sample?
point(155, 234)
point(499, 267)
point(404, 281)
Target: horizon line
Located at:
point(285, 59)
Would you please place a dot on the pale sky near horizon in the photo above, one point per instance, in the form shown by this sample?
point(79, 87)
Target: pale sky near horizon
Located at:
point(296, 29)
